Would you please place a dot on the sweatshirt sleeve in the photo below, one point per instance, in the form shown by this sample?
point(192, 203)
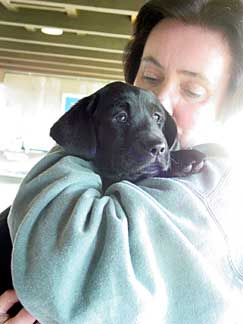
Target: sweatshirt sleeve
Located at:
point(135, 254)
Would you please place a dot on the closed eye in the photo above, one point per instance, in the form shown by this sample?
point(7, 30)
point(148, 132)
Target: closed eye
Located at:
point(150, 79)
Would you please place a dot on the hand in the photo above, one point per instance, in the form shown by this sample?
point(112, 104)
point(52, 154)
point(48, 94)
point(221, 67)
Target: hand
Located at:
point(7, 300)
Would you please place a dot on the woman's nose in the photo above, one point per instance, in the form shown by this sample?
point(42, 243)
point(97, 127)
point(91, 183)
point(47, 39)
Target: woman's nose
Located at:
point(167, 104)
point(167, 96)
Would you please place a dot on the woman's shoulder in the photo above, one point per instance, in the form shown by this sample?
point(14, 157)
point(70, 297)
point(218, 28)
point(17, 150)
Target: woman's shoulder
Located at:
point(215, 173)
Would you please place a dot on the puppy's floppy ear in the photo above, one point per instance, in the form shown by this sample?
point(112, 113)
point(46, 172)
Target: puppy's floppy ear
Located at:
point(170, 131)
point(75, 131)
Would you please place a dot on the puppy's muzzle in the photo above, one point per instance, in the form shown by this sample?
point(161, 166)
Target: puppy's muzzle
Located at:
point(158, 149)
point(155, 147)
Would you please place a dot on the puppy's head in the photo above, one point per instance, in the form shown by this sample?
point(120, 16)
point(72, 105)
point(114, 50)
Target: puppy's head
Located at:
point(124, 130)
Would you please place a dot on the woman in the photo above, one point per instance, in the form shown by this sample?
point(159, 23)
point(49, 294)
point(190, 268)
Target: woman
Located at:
point(189, 53)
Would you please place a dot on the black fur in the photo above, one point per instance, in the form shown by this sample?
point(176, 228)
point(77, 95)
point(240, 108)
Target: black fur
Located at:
point(127, 134)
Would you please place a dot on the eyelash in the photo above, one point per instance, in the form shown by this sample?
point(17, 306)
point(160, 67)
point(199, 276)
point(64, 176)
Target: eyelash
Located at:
point(187, 92)
point(152, 80)
point(191, 94)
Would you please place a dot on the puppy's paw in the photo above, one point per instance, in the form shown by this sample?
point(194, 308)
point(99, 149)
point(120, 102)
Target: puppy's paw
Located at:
point(186, 162)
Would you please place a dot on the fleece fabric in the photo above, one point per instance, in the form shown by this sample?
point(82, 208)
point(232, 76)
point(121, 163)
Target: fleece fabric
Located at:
point(162, 251)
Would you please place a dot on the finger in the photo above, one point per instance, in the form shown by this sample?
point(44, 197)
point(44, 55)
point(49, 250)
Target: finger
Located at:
point(23, 317)
point(3, 318)
point(7, 300)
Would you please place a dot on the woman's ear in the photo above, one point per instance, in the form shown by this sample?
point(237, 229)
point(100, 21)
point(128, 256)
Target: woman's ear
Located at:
point(170, 131)
point(75, 130)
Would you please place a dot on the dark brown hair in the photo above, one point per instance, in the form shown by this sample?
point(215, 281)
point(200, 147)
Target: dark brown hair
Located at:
point(225, 16)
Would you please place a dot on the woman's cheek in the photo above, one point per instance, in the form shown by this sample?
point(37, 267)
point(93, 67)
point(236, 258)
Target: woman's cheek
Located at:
point(188, 124)
point(185, 118)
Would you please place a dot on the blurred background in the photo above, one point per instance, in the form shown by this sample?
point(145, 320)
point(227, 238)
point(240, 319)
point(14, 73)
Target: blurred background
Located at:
point(52, 53)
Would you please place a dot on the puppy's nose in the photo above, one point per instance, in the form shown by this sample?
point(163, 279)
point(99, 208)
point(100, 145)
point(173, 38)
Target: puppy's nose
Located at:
point(157, 149)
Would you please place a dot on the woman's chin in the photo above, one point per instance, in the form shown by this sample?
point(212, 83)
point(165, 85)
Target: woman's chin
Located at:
point(187, 141)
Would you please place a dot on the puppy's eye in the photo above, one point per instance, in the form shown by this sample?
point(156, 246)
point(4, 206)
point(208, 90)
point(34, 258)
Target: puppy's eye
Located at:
point(121, 117)
point(157, 117)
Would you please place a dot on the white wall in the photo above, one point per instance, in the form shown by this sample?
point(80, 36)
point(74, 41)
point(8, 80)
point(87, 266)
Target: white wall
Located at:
point(30, 104)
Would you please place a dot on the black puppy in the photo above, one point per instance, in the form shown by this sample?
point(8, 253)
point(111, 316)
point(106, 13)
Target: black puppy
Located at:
point(127, 134)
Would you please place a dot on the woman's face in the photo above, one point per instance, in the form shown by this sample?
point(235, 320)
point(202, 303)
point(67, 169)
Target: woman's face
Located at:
point(188, 68)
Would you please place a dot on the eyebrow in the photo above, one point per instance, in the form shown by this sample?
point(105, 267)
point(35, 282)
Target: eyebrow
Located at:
point(196, 75)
